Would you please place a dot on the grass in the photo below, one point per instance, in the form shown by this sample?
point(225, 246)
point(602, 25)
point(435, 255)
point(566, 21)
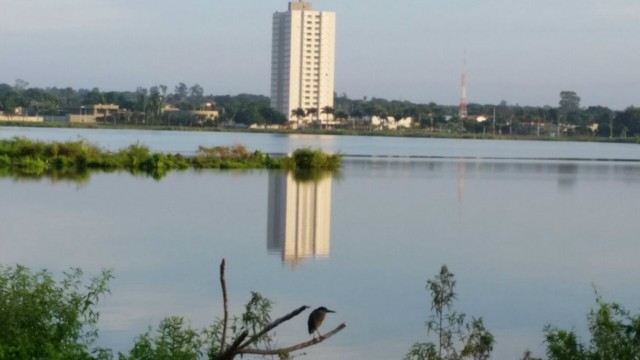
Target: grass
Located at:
point(20, 156)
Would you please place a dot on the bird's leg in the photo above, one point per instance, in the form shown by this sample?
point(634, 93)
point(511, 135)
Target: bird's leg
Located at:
point(319, 335)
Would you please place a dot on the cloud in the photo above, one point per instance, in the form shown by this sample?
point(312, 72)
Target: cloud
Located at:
point(30, 16)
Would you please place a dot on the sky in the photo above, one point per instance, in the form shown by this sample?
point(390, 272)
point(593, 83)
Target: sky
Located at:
point(523, 52)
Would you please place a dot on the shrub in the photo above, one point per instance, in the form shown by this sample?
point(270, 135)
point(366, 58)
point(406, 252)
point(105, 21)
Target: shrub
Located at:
point(5, 161)
point(44, 319)
point(308, 159)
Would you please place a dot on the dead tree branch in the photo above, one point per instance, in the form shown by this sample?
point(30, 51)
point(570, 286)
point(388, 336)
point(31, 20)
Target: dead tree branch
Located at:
point(240, 344)
point(232, 351)
point(226, 306)
point(273, 325)
point(293, 348)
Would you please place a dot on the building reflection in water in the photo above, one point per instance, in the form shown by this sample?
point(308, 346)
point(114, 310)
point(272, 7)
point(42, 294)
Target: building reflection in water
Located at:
point(299, 219)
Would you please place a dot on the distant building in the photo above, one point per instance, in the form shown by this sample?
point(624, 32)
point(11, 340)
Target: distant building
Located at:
point(302, 59)
point(94, 113)
point(389, 122)
point(19, 115)
point(206, 113)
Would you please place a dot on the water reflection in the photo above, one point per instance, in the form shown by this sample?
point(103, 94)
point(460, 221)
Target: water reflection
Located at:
point(299, 217)
point(567, 174)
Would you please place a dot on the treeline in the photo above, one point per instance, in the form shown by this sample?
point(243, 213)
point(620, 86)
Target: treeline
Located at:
point(574, 120)
point(144, 106)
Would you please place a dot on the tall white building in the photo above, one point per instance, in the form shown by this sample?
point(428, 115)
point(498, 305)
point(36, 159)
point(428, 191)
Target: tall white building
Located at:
point(302, 59)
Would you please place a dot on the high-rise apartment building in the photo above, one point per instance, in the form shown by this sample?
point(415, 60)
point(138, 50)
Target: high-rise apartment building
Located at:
point(302, 59)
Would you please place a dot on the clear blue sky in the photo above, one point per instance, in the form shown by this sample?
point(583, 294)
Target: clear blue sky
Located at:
point(521, 51)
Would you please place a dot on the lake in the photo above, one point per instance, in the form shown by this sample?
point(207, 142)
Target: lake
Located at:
point(527, 227)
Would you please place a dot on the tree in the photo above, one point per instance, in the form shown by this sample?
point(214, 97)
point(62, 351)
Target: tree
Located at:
point(155, 103)
point(627, 123)
point(181, 92)
point(21, 85)
point(383, 115)
point(356, 115)
point(615, 335)
point(298, 113)
point(271, 115)
point(249, 115)
point(450, 327)
point(327, 110)
point(342, 115)
point(196, 92)
point(44, 319)
point(569, 101)
point(142, 102)
point(174, 341)
point(312, 112)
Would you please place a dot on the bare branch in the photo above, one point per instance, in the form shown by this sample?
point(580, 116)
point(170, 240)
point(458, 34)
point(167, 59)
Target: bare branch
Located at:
point(297, 347)
point(232, 351)
point(226, 307)
point(273, 325)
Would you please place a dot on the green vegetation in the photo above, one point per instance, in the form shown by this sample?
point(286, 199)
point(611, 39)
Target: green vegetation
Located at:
point(48, 320)
point(450, 327)
point(147, 108)
point(615, 335)
point(44, 319)
point(615, 332)
point(75, 158)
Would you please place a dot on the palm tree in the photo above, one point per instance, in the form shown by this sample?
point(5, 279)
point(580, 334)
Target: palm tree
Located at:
point(313, 112)
point(327, 110)
point(156, 103)
point(142, 102)
point(383, 115)
point(299, 113)
point(356, 115)
point(342, 115)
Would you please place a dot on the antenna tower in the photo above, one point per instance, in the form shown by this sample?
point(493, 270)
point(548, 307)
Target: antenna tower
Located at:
point(462, 113)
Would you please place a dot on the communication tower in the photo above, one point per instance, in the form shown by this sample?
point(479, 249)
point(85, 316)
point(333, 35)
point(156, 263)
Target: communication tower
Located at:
point(462, 113)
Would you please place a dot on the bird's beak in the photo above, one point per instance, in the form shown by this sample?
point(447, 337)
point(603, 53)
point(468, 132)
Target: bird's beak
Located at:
point(330, 311)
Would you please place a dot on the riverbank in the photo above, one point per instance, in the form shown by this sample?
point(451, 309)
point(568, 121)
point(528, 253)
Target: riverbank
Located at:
point(410, 133)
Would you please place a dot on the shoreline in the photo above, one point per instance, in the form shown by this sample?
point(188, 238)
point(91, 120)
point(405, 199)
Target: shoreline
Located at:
point(399, 134)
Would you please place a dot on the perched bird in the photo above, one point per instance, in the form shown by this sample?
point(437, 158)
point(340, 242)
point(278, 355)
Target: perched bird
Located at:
point(315, 319)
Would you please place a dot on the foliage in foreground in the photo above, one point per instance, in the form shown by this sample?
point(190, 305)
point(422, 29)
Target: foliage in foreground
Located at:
point(42, 319)
point(75, 158)
point(615, 335)
point(450, 327)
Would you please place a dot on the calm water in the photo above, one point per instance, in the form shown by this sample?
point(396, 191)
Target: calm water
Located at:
point(525, 238)
point(188, 142)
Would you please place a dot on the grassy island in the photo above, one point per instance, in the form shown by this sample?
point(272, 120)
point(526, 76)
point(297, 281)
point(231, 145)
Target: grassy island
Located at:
point(32, 158)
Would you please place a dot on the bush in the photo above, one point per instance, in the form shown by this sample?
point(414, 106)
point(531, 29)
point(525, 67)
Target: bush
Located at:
point(615, 334)
point(43, 319)
point(174, 341)
point(308, 159)
point(35, 158)
point(5, 161)
point(31, 166)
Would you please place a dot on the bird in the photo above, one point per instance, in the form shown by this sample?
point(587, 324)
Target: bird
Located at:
point(315, 319)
